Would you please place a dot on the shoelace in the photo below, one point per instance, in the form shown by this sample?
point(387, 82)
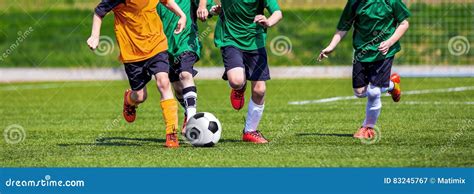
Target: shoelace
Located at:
point(257, 134)
point(238, 94)
point(362, 130)
point(172, 137)
point(130, 109)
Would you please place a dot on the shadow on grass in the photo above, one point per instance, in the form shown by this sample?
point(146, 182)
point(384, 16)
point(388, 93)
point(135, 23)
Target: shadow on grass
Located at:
point(116, 141)
point(125, 141)
point(109, 139)
point(324, 134)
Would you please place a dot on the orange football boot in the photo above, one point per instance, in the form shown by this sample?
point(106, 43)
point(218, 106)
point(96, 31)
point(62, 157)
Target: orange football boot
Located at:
point(365, 133)
point(397, 91)
point(172, 140)
point(360, 133)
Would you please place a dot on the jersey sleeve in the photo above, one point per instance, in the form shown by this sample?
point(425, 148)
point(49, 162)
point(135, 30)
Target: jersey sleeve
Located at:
point(105, 6)
point(400, 10)
point(347, 17)
point(272, 6)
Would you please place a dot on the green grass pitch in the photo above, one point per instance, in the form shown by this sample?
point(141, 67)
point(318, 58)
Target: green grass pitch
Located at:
point(79, 124)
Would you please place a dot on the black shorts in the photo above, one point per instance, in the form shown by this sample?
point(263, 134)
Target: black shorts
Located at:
point(254, 62)
point(184, 63)
point(140, 73)
point(376, 73)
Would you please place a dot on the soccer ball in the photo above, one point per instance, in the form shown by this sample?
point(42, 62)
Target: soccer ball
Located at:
point(203, 130)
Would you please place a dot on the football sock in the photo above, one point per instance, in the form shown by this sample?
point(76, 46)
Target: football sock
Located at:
point(389, 89)
point(169, 108)
point(190, 100)
point(254, 114)
point(181, 102)
point(374, 105)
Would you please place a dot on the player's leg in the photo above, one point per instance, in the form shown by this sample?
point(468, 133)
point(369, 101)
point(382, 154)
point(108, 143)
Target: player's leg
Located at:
point(254, 114)
point(373, 108)
point(379, 74)
point(258, 73)
point(159, 66)
point(186, 77)
point(360, 92)
point(235, 74)
point(178, 93)
point(169, 108)
point(189, 92)
point(138, 78)
point(393, 87)
point(185, 88)
point(177, 86)
point(360, 83)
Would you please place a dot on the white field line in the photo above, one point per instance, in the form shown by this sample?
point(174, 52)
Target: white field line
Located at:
point(47, 86)
point(436, 103)
point(426, 103)
point(413, 92)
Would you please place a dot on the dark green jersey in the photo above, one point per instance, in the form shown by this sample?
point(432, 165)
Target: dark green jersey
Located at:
point(374, 21)
point(235, 26)
point(188, 40)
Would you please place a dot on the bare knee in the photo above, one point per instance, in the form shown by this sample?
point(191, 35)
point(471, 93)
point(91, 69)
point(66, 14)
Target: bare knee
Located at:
point(258, 92)
point(237, 82)
point(236, 77)
point(360, 92)
point(185, 76)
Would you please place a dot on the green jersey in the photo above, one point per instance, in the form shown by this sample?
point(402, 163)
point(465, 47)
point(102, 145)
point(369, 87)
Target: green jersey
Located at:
point(188, 39)
point(235, 26)
point(374, 21)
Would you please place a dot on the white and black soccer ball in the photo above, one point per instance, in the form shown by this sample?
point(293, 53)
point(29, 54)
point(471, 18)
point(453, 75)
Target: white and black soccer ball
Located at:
point(203, 130)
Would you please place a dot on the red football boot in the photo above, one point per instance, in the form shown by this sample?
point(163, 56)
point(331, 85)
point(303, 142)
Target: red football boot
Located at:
point(254, 137)
point(237, 98)
point(129, 111)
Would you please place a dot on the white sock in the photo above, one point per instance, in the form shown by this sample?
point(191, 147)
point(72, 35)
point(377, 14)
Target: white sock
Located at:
point(190, 99)
point(254, 114)
point(389, 89)
point(374, 105)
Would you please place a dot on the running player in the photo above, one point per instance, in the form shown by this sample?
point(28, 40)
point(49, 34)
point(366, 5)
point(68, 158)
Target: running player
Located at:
point(378, 26)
